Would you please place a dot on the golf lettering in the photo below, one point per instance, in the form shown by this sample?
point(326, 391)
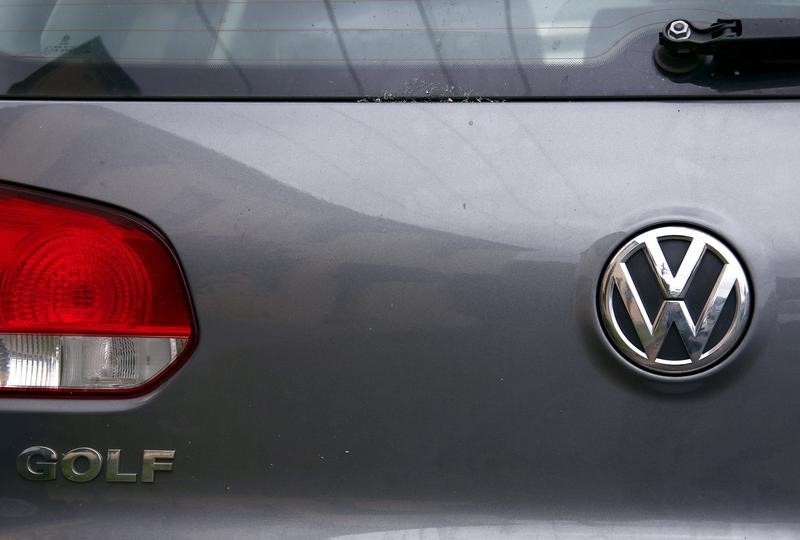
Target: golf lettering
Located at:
point(85, 464)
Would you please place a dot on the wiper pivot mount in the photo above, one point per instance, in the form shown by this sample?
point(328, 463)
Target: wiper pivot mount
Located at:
point(728, 44)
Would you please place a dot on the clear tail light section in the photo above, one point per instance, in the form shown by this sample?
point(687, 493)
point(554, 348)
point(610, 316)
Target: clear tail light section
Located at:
point(92, 300)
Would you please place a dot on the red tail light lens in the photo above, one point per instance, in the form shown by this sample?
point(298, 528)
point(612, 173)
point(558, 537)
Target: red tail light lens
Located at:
point(92, 300)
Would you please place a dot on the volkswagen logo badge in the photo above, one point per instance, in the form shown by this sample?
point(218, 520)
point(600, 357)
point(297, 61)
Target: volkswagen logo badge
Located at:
point(674, 300)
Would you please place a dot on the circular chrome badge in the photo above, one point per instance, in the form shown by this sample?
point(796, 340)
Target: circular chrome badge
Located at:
point(674, 300)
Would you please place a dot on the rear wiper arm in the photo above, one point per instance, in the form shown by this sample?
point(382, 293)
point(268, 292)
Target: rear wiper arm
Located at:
point(730, 44)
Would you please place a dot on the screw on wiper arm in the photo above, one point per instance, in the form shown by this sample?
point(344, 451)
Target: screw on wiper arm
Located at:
point(728, 44)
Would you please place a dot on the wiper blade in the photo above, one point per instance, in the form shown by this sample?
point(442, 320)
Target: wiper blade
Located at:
point(728, 44)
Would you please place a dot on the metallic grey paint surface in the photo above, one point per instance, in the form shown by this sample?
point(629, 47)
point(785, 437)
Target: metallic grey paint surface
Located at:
point(398, 321)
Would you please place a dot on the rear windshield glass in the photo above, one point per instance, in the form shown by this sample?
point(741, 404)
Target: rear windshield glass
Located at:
point(356, 49)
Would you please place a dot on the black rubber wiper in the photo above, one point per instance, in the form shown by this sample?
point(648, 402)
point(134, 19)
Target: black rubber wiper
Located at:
point(729, 45)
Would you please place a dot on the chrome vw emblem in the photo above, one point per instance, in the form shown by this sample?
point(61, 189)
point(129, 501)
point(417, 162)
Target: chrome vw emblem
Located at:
point(674, 300)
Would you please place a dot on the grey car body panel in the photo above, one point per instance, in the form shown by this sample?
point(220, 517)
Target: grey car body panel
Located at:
point(398, 328)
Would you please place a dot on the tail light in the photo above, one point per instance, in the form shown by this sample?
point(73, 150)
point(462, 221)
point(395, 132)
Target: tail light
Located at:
point(92, 300)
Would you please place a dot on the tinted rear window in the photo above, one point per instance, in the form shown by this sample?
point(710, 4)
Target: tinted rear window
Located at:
point(365, 49)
